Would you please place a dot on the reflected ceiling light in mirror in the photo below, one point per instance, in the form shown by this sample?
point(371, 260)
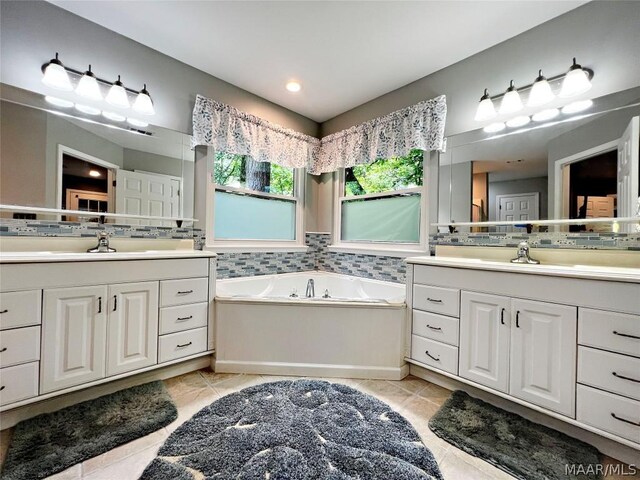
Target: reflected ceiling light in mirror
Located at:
point(58, 102)
point(87, 109)
point(56, 76)
point(575, 82)
point(494, 127)
point(518, 121)
point(511, 102)
point(486, 110)
point(88, 86)
point(137, 123)
point(576, 107)
point(94, 173)
point(545, 115)
point(116, 117)
point(540, 93)
point(293, 86)
point(117, 95)
point(143, 103)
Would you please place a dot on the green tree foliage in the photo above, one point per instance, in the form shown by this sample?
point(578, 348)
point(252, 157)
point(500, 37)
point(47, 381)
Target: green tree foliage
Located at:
point(385, 175)
point(231, 170)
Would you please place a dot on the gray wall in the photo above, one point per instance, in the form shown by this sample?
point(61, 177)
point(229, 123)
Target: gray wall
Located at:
point(512, 187)
point(603, 35)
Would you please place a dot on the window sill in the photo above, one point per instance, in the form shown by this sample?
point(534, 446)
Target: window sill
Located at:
point(389, 251)
point(257, 248)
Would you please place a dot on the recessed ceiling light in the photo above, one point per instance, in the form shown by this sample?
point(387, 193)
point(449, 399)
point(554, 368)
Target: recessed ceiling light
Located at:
point(576, 107)
point(518, 121)
point(494, 127)
point(546, 115)
point(94, 173)
point(58, 102)
point(87, 109)
point(294, 86)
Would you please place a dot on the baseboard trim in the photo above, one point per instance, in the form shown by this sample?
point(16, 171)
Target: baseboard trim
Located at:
point(312, 370)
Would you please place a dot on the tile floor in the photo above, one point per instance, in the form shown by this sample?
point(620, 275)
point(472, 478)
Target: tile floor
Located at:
point(414, 398)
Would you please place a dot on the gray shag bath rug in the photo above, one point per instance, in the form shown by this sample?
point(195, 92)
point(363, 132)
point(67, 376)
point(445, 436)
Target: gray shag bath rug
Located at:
point(295, 430)
point(52, 442)
point(524, 449)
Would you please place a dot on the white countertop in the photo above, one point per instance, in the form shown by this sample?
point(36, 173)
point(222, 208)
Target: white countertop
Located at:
point(620, 274)
point(50, 257)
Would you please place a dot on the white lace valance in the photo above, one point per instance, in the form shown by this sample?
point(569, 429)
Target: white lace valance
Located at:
point(227, 129)
point(420, 126)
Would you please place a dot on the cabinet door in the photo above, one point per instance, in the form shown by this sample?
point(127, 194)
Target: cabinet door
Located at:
point(484, 339)
point(543, 355)
point(132, 327)
point(74, 337)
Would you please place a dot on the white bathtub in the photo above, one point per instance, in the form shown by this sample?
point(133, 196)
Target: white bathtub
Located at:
point(356, 332)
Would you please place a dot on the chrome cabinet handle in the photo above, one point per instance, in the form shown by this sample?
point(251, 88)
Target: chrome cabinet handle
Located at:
point(625, 378)
point(431, 356)
point(626, 335)
point(502, 316)
point(180, 319)
point(434, 300)
point(115, 303)
point(185, 345)
point(637, 424)
point(4, 311)
point(3, 350)
point(438, 329)
point(518, 319)
point(99, 304)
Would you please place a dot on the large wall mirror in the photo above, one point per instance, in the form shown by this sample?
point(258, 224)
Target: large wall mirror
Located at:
point(63, 159)
point(575, 166)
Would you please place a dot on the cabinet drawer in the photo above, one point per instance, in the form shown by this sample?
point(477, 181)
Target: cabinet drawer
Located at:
point(182, 344)
point(597, 408)
point(617, 332)
point(436, 327)
point(183, 317)
point(181, 292)
point(18, 383)
point(435, 354)
point(609, 371)
point(20, 309)
point(19, 345)
point(437, 300)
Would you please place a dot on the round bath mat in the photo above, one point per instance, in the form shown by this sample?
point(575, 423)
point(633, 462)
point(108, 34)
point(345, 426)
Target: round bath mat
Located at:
point(295, 430)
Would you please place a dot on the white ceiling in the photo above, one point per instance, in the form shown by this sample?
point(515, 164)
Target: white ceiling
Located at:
point(344, 53)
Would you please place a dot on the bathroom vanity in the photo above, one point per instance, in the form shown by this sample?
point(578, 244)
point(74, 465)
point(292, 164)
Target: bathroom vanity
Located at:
point(564, 341)
point(69, 321)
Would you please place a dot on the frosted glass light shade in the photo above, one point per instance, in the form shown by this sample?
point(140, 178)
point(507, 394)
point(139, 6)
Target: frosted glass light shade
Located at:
point(55, 76)
point(143, 103)
point(540, 92)
point(117, 95)
point(575, 82)
point(511, 102)
point(486, 110)
point(88, 86)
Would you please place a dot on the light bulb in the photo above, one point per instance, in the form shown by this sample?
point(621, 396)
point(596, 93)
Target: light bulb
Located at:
point(143, 103)
point(486, 110)
point(116, 117)
point(87, 109)
point(511, 102)
point(494, 127)
point(137, 123)
point(117, 95)
point(540, 92)
point(58, 102)
point(575, 82)
point(576, 107)
point(88, 86)
point(518, 121)
point(55, 75)
point(545, 115)
point(293, 86)
point(94, 173)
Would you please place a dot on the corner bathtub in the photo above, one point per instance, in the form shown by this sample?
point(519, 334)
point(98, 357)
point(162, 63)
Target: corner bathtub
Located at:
point(357, 332)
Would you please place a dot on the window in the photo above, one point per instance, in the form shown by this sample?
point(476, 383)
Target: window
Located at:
point(382, 203)
point(255, 201)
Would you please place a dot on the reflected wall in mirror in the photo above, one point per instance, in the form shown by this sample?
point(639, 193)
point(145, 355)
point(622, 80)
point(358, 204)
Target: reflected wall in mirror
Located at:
point(55, 160)
point(580, 166)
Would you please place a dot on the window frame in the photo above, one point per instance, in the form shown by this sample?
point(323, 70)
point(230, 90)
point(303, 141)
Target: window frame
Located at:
point(252, 245)
point(373, 247)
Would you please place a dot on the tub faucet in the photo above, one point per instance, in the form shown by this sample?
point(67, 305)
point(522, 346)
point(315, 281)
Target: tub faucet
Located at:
point(103, 244)
point(311, 290)
point(523, 254)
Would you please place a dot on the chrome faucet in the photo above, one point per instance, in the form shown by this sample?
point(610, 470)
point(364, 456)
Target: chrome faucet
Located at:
point(103, 244)
point(523, 254)
point(311, 290)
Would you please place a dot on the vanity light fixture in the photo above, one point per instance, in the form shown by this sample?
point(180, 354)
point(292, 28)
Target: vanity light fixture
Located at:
point(87, 109)
point(518, 121)
point(117, 95)
point(88, 86)
point(575, 82)
point(293, 86)
point(511, 102)
point(56, 76)
point(58, 102)
point(486, 110)
point(94, 173)
point(540, 93)
point(576, 107)
point(545, 115)
point(494, 127)
point(143, 103)
point(137, 123)
point(116, 117)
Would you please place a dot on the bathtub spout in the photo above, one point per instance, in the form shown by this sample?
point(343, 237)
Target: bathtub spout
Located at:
point(311, 291)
